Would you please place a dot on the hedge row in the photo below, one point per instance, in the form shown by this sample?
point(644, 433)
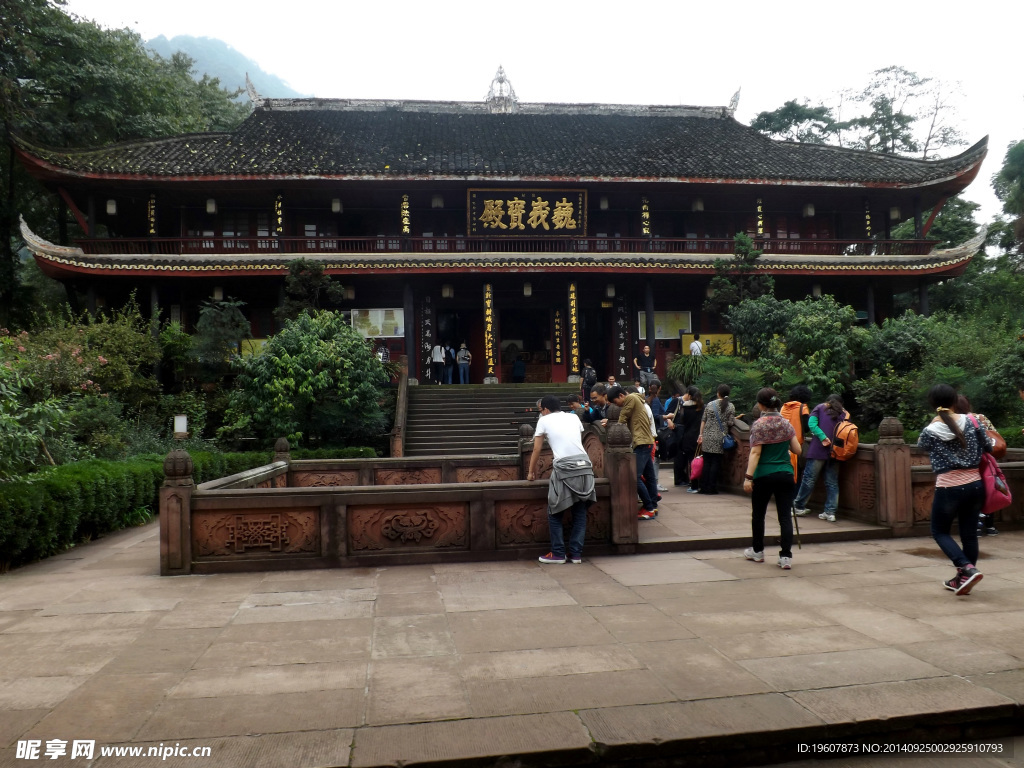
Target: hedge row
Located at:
point(46, 513)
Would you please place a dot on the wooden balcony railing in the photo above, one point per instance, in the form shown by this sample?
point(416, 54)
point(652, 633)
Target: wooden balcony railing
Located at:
point(595, 246)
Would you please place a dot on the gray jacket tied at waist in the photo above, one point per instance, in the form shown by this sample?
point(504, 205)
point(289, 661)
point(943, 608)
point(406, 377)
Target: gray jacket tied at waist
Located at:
point(572, 480)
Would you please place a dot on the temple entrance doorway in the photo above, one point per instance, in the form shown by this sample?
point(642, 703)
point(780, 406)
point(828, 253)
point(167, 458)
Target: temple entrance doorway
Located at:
point(525, 345)
point(596, 339)
point(458, 326)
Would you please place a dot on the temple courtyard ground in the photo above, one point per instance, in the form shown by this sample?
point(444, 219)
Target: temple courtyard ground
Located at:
point(693, 657)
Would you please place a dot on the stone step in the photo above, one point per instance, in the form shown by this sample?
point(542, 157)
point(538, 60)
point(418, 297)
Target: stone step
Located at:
point(473, 419)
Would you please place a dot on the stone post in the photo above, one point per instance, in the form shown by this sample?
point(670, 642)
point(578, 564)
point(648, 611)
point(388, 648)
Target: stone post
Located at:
point(525, 449)
point(176, 515)
point(282, 451)
point(620, 469)
point(893, 486)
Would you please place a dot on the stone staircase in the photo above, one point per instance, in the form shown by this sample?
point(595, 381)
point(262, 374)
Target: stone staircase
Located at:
point(473, 419)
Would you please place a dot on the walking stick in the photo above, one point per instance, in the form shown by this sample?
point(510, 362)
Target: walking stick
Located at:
point(796, 525)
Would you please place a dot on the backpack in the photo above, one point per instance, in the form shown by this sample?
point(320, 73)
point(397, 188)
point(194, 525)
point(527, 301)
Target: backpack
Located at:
point(589, 379)
point(449, 356)
point(997, 492)
point(845, 441)
point(791, 412)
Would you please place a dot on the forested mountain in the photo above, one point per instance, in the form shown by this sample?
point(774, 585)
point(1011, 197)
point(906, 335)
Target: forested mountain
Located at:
point(218, 59)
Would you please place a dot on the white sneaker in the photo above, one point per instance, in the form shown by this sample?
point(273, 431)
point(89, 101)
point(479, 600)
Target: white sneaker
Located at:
point(827, 517)
point(800, 512)
point(750, 554)
point(785, 563)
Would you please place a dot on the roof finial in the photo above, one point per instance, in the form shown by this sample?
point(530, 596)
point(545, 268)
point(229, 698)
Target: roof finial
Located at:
point(502, 97)
point(734, 102)
point(250, 89)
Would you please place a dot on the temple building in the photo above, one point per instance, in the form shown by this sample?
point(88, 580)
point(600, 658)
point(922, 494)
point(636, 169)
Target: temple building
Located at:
point(543, 232)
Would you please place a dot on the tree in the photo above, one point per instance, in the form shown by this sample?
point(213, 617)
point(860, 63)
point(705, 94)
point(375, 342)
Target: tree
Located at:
point(1009, 182)
point(220, 331)
point(307, 289)
point(66, 82)
point(814, 341)
point(317, 379)
point(897, 112)
point(796, 121)
point(738, 278)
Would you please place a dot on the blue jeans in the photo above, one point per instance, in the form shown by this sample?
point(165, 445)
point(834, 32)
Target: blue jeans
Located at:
point(449, 370)
point(646, 479)
point(576, 533)
point(810, 478)
point(780, 485)
point(961, 503)
point(463, 373)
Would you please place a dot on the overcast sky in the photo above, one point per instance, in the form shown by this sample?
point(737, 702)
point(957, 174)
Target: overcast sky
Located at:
point(655, 52)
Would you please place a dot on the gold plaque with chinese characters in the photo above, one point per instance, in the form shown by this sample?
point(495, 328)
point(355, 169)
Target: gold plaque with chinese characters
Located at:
point(527, 213)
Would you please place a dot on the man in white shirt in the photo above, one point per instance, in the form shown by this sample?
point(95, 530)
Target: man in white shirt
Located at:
point(696, 348)
point(572, 478)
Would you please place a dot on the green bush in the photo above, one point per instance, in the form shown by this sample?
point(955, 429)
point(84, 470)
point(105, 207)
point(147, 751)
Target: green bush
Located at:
point(316, 381)
point(744, 378)
point(334, 453)
point(47, 512)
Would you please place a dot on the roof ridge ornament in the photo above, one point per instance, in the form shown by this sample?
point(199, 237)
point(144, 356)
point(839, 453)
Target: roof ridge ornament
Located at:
point(501, 98)
point(734, 102)
point(250, 89)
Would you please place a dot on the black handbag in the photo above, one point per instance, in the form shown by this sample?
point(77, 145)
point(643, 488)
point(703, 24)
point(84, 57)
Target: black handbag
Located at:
point(668, 444)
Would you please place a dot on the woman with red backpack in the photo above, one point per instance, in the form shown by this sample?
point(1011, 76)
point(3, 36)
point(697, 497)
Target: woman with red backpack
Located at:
point(955, 444)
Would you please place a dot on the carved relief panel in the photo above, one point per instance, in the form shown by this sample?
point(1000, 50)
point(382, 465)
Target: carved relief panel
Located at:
point(408, 476)
point(525, 521)
point(397, 528)
point(866, 492)
point(521, 521)
point(923, 495)
point(485, 474)
point(245, 533)
point(322, 479)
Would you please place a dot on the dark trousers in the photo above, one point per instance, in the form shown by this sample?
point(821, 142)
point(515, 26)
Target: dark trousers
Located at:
point(709, 477)
point(438, 371)
point(646, 482)
point(781, 486)
point(681, 467)
point(961, 503)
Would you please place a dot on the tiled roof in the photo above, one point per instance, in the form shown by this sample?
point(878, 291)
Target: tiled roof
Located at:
point(339, 139)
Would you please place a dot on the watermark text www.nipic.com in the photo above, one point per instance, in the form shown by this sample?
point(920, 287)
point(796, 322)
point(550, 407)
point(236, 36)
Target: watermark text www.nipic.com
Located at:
point(37, 749)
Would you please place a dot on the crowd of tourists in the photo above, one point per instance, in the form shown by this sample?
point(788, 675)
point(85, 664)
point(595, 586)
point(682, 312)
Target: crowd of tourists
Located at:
point(697, 436)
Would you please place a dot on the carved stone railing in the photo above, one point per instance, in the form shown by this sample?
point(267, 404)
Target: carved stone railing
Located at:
point(355, 512)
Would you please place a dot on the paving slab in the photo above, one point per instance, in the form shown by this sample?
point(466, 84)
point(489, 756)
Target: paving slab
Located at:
point(254, 713)
point(694, 669)
point(427, 635)
point(559, 735)
point(109, 708)
point(839, 668)
point(415, 690)
point(949, 696)
point(526, 695)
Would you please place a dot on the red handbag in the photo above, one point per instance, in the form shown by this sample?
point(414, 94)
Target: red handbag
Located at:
point(696, 466)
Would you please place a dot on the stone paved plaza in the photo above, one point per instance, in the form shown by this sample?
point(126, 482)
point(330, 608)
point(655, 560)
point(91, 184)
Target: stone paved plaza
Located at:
point(696, 655)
